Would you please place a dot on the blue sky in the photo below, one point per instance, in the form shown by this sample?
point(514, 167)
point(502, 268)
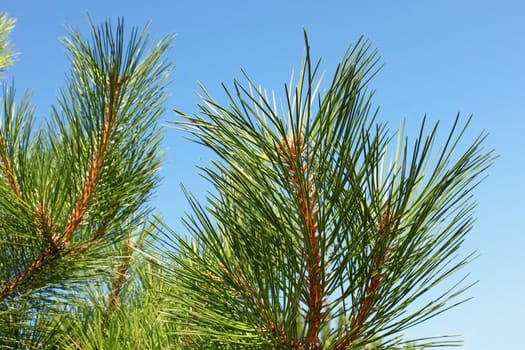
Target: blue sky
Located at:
point(442, 57)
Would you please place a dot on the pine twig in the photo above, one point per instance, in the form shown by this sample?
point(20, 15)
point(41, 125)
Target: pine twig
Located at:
point(110, 118)
point(56, 246)
point(8, 169)
point(49, 254)
point(305, 194)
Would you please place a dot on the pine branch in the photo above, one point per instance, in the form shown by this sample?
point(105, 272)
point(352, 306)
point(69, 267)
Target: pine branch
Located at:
point(81, 180)
point(300, 218)
point(42, 223)
point(292, 153)
point(113, 86)
point(40, 262)
point(78, 215)
point(8, 170)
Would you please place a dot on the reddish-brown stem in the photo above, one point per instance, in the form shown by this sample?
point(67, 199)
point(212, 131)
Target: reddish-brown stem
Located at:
point(46, 229)
point(53, 249)
point(295, 161)
point(9, 173)
point(42, 221)
point(79, 212)
point(37, 264)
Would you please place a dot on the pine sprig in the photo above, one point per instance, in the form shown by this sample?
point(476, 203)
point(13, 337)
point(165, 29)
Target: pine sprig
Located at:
point(76, 188)
point(313, 219)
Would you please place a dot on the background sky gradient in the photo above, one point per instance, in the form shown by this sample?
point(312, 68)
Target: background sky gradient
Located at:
point(441, 58)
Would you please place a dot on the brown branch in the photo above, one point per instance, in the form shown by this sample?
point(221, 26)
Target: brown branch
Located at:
point(305, 193)
point(4, 158)
point(114, 84)
point(52, 250)
point(42, 221)
point(46, 228)
point(45, 257)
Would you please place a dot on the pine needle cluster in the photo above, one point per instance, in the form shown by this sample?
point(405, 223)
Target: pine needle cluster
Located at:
point(325, 229)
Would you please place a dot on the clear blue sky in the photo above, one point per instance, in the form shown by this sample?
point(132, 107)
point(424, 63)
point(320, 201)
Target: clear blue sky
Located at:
point(442, 57)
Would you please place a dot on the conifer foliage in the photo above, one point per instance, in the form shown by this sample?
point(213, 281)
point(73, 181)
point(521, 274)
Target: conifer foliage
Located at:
point(73, 192)
point(325, 229)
